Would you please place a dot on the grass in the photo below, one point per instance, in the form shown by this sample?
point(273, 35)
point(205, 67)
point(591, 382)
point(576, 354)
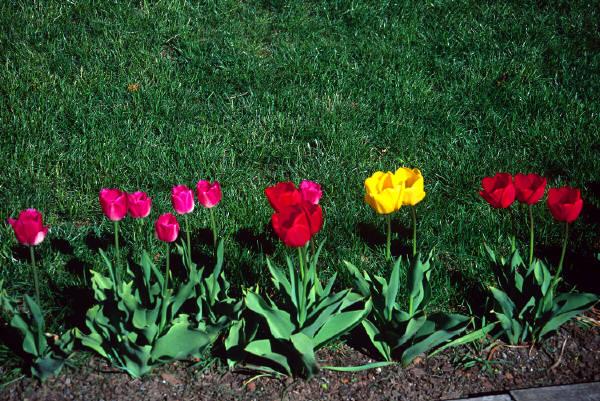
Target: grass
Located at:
point(251, 93)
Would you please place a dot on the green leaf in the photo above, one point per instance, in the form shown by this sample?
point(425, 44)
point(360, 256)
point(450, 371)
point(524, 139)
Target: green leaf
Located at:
point(304, 346)
point(467, 338)
point(182, 341)
point(38, 324)
point(358, 368)
point(338, 325)
point(375, 337)
point(359, 281)
point(264, 349)
point(280, 280)
point(279, 321)
point(392, 290)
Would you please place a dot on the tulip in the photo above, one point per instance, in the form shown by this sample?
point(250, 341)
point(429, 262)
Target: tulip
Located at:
point(529, 190)
point(413, 193)
point(498, 191)
point(295, 225)
point(139, 204)
point(183, 199)
point(384, 193)
point(114, 203)
point(311, 192)
point(565, 204)
point(29, 228)
point(209, 195)
point(282, 195)
point(30, 231)
point(114, 206)
point(167, 230)
point(183, 202)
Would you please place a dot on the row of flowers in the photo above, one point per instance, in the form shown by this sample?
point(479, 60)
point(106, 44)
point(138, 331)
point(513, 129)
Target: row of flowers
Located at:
point(138, 319)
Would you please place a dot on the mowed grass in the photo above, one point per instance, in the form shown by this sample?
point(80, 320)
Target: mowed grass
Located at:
point(251, 93)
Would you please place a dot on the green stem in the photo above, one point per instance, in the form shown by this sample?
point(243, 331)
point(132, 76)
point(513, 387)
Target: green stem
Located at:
point(117, 253)
point(414, 239)
point(302, 295)
point(564, 250)
point(530, 235)
point(388, 247)
point(187, 233)
point(214, 226)
point(513, 244)
point(35, 277)
point(410, 306)
point(167, 271)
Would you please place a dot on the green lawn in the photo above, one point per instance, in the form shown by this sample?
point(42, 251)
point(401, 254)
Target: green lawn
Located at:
point(251, 93)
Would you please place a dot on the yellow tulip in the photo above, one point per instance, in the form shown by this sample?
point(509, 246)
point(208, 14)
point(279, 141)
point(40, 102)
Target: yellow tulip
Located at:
point(413, 185)
point(384, 192)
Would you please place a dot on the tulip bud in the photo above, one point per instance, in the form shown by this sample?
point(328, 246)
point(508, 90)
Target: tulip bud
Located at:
point(29, 228)
point(114, 203)
point(209, 195)
point(166, 228)
point(183, 199)
point(139, 204)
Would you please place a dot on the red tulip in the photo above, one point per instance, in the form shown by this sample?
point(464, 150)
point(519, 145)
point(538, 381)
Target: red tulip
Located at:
point(311, 191)
point(139, 204)
point(283, 195)
point(166, 227)
point(183, 199)
point(565, 203)
point(499, 190)
point(209, 195)
point(114, 203)
point(529, 188)
point(28, 227)
point(295, 225)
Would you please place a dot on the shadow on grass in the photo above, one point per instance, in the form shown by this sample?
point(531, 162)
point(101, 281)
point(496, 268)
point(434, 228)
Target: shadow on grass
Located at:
point(375, 237)
point(61, 245)
point(261, 242)
point(95, 241)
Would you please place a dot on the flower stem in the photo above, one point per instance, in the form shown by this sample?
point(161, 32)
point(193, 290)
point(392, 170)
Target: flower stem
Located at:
point(35, 277)
point(414, 239)
point(564, 250)
point(214, 227)
point(388, 247)
point(117, 253)
point(187, 233)
point(167, 271)
point(530, 235)
point(302, 295)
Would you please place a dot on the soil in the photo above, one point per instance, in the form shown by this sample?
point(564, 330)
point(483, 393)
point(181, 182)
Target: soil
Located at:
point(446, 376)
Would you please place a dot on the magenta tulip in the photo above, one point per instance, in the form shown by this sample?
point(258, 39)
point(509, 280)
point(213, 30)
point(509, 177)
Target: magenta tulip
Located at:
point(114, 203)
point(183, 199)
point(209, 195)
point(29, 228)
point(311, 192)
point(166, 228)
point(139, 204)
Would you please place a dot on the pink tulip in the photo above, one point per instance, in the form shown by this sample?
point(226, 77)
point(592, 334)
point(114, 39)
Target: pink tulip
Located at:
point(139, 204)
point(183, 199)
point(166, 227)
point(28, 227)
point(311, 191)
point(209, 195)
point(114, 203)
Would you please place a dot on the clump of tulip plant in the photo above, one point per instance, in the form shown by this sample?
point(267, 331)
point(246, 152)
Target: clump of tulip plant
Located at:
point(528, 303)
point(45, 353)
point(281, 336)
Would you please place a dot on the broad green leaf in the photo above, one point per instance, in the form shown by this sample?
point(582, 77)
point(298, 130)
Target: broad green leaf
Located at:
point(182, 341)
point(264, 349)
point(304, 346)
point(338, 325)
point(467, 338)
point(359, 281)
point(375, 336)
point(392, 290)
point(279, 279)
point(279, 321)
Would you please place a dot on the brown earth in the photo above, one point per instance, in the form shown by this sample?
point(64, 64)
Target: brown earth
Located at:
point(444, 376)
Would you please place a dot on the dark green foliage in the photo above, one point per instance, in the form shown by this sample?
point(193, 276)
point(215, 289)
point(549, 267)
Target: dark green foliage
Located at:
point(282, 337)
point(138, 324)
point(45, 353)
point(402, 335)
point(527, 302)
